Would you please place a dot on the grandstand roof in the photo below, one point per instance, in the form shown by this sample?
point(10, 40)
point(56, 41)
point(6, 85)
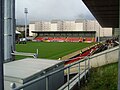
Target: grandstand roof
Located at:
point(64, 31)
point(105, 11)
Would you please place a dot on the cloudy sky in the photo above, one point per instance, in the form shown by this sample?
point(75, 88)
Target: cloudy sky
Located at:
point(51, 9)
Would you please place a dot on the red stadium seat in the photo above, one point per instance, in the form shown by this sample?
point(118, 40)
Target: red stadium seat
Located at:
point(39, 38)
point(72, 39)
point(81, 56)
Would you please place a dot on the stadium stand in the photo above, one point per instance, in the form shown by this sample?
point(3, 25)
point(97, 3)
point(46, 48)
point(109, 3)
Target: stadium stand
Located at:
point(88, 52)
point(93, 50)
point(66, 36)
point(64, 39)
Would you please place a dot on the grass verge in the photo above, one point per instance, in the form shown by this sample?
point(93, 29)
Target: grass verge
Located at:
point(103, 78)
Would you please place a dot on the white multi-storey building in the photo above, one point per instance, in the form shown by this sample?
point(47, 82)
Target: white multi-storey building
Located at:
point(93, 25)
point(46, 26)
point(56, 25)
point(31, 28)
point(42, 26)
point(69, 26)
point(77, 25)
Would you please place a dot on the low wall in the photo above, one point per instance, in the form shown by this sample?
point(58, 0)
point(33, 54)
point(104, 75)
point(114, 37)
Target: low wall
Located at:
point(99, 59)
point(105, 57)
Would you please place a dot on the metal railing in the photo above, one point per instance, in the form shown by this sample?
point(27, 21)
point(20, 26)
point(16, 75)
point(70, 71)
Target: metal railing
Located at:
point(80, 74)
point(67, 85)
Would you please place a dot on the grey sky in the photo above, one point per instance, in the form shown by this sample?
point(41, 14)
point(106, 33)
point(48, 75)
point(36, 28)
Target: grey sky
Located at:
point(51, 9)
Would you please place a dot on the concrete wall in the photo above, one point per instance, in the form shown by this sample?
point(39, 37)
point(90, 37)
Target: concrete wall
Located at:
point(33, 69)
point(105, 57)
point(97, 60)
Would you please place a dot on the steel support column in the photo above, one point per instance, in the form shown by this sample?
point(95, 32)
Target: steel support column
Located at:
point(9, 29)
point(13, 26)
point(1, 43)
point(119, 52)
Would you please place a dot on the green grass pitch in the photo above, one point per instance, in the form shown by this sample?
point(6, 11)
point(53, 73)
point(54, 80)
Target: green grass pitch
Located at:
point(50, 50)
